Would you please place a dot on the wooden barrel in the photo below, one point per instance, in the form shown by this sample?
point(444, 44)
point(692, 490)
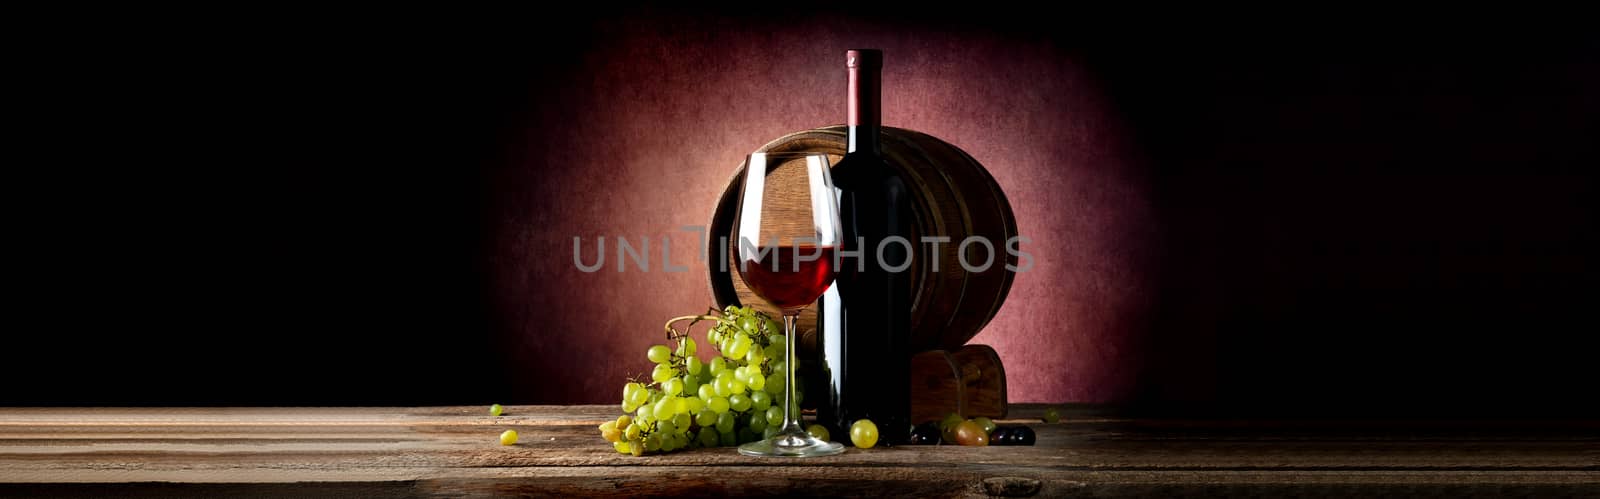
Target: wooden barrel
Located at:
point(953, 196)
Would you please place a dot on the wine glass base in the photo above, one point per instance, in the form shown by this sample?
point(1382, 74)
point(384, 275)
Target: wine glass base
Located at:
point(791, 445)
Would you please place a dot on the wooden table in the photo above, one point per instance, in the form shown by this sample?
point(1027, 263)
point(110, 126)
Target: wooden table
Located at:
point(454, 451)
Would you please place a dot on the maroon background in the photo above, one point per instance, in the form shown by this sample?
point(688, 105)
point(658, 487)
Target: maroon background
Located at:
point(658, 113)
point(379, 209)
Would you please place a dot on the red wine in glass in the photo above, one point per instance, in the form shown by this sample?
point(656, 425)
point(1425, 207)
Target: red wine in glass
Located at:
point(790, 277)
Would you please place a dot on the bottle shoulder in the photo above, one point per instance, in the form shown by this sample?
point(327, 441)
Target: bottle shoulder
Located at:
point(862, 170)
point(862, 159)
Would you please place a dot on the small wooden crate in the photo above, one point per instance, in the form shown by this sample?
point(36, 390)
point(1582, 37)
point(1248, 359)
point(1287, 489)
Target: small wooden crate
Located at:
point(969, 381)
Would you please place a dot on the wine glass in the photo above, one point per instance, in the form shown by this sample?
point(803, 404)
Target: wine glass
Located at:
point(788, 231)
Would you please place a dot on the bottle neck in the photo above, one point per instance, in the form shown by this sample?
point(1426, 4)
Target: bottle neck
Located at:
point(863, 138)
point(864, 116)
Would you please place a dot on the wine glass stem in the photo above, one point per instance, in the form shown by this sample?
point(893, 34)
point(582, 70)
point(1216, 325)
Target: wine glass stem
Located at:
point(791, 420)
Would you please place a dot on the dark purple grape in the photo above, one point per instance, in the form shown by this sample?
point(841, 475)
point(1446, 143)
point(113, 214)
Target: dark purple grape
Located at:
point(1001, 436)
point(1012, 435)
point(926, 434)
point(1023, 435)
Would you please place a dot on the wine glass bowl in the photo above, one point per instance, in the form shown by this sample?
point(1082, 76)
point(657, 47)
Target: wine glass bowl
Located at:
point(788, 231)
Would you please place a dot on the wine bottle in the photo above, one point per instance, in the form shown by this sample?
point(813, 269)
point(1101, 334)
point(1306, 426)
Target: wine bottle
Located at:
point(865, 318)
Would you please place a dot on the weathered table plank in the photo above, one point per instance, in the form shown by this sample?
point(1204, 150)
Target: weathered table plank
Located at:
point(453, 451)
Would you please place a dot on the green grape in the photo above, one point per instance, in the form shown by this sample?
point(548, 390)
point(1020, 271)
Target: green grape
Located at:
point(771, 431)
point(950, 421)
point(818, 431)
point(723, 387)
point(632, 432)
point(777, 367)
point(718, 405)
point(739, 402)
point(665, 426)
point(1052, 415)
point(624, 420)
point(774, 415)
point(659, 354)
point(705, 418)
point(707, 392)
point(680, 405)
point(686, 348)
point(496, 410)
point(757, 383)
point(628, 406)
point(663, 409)
point(673, 386)
point(662, 373)
point(691, 384)
point(755, 356)
point(760, 400)
point(645, 413)
point(748, 325)
point(622, 447)
point(741, 345)
point(776, 341)
point(509, 437)
point(682, 421)
point(708, 436)
point(774, 326)
point(772, 352)
point(652, 443)
point(736, 387)
point(725, 422)
point(694, 365)
point(640, 396)
point(758, 422)
point(696, 404)
point(775, 384)
point(948, 433)
point(609, 431)
point(726, 345)
point(864, 434)
point(726, 438)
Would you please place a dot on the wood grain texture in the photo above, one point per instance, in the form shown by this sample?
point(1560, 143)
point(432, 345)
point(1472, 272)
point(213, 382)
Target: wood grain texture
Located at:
point(453, 451)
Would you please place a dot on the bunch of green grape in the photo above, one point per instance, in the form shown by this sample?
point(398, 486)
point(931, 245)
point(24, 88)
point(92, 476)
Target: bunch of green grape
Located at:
point(729, 401)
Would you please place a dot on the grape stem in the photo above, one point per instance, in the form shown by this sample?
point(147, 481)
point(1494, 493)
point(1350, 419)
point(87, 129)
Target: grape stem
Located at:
point(673, 334)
